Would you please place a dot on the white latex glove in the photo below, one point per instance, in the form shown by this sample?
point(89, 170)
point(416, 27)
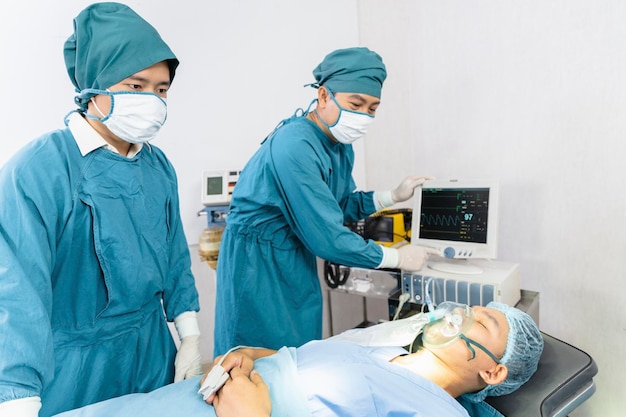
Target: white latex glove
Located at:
point(405, 190)
point(188, 362)
point(23, 407)
point(412, 257)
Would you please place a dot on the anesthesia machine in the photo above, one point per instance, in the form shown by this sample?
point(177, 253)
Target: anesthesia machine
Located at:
point(217, 189)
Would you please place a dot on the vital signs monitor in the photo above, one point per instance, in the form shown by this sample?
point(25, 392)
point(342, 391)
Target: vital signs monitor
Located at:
point(459, 217)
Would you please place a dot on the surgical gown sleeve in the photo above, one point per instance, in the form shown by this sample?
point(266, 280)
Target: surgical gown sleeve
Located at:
point(314, 175)
point(356, 205)
point(29, 215)
point(179, 293)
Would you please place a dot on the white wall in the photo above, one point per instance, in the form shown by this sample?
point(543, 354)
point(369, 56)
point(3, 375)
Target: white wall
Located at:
point(532, 93)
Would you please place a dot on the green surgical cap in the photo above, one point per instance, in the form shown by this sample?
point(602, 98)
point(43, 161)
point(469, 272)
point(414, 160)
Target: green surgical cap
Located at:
point(110, 43)
point(351, 70)
point(523, 350)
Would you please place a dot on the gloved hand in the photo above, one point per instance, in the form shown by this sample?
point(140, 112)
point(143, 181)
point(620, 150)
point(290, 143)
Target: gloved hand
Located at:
point(405, 190)
point(188, 362)
point(412, 257)
point(22, 407)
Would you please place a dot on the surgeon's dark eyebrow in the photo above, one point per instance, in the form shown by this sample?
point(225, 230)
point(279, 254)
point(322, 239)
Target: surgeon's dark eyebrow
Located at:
point(146, 81)
point(361, 99)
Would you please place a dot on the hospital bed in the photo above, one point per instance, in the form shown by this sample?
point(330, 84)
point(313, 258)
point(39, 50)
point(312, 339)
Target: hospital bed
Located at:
point(563, 381)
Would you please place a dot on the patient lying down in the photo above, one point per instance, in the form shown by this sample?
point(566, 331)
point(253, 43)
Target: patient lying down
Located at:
point(496, 355)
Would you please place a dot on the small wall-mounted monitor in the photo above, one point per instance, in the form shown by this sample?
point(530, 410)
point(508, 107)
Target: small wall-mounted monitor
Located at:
point(459, 217)
point(217, 187)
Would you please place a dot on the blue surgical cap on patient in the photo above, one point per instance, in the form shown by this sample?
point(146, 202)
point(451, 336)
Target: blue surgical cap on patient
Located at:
point(110, 43)
point(521, 356)
point(352, 70)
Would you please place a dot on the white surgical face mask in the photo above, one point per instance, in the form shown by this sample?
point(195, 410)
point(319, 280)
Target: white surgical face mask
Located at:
point(133, 117)
point(350, 125)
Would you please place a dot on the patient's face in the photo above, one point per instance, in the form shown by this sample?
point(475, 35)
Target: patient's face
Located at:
point(490, 329)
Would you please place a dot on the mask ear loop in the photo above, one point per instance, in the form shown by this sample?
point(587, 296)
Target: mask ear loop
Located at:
point(469, 342)
point(338, 106)
point(95, 105)
point(92, 99)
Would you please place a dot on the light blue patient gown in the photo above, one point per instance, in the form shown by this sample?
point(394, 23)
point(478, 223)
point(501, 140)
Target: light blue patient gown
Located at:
point(92, 253)
point(319, 379)
point(288, 207)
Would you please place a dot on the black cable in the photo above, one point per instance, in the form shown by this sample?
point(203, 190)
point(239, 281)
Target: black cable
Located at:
point(334, 276)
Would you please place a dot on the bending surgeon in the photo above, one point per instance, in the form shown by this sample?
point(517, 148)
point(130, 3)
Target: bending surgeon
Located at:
point(290, 205)
point(94, 260)
point(492, 353)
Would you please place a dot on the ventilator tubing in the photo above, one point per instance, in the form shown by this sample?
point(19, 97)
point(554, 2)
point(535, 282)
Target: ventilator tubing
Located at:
point(391, 333)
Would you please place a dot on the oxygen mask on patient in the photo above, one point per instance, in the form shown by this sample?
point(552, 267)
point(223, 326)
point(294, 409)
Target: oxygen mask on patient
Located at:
point(443, 325)
point(456, 320)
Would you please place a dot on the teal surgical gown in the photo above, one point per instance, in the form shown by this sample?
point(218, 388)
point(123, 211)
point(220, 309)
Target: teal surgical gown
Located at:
point(93, 261)
point(289, 206)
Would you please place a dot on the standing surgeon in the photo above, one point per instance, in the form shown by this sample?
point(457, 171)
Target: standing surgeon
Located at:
point(93, 256)
point(289, 207)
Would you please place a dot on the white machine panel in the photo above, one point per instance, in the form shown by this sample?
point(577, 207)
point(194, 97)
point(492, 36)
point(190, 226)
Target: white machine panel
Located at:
point(217, 187)
point(485, 281)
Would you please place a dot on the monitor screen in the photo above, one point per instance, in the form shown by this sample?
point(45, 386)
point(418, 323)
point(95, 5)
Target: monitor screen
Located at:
point(214, 186)
point(217, 187)
point(458, 217)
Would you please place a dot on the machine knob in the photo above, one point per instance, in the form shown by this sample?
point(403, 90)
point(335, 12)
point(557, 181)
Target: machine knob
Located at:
point(449, 252)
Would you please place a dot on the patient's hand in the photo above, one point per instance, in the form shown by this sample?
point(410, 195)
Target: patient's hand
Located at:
point(242, 359)
point(241, 396)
